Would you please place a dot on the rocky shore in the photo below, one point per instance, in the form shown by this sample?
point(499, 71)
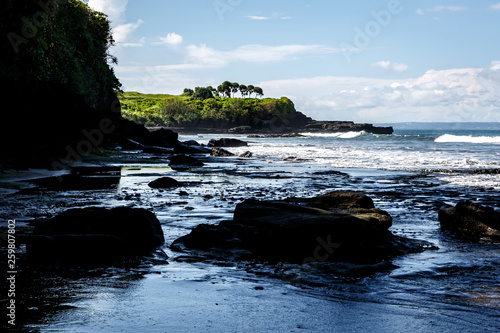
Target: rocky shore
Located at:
point(284, 126)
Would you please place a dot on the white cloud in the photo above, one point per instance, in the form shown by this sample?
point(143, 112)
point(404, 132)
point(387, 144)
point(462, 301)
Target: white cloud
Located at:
point(495, 6)
point(258, 18)
point(171, 39)
point(387, 65)
point(254, 53)
point(115, 9)
point(440, 9)
point(468, 94)
point(122, 33)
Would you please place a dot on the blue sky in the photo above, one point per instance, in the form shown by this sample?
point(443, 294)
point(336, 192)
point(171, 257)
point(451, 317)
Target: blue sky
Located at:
point(371, 61)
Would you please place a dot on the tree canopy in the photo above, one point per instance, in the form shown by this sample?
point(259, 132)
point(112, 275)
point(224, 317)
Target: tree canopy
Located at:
point(229, 89)
point(60, 43)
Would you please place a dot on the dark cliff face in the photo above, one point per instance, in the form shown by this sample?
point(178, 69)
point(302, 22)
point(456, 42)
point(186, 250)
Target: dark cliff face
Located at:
point(42, 122)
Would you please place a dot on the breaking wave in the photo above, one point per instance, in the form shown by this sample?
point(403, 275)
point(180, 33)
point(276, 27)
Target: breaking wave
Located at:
point(468, 139)
point(345, 135)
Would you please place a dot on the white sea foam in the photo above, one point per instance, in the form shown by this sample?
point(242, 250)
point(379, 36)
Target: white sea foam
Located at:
point(345, 135)
point(468, 139)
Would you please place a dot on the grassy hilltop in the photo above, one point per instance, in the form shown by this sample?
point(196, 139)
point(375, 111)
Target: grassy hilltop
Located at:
point(210, 111)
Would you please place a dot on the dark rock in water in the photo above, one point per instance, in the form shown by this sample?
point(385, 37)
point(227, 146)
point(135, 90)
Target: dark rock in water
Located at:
point(157, 150)
point(181, 148)
point(219, 152)
point(164, 182)
point(226, 142)
point(241, 129)
point(246, 154)
point(471, 221)
point(183, 162)
point(191, 143)
point(346, 126)
point(161, 138)
point(299, 232)
point(96, 234)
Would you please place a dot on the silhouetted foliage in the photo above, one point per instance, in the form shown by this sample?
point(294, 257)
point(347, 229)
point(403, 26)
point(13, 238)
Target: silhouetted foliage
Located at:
point(60, 43)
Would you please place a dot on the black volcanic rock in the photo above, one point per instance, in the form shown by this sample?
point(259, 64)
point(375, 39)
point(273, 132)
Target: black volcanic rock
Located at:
point(219, 152)
point(164, 182)
point(95, 234)
point(471, 221)
point(346, 126)
point(346, 228)
point(227, 142)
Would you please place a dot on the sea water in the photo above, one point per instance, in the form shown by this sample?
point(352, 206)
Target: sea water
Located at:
point(455, 286)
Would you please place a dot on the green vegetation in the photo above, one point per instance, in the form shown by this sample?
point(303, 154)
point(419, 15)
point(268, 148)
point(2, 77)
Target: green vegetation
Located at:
point(57, 43)
point(198, 108)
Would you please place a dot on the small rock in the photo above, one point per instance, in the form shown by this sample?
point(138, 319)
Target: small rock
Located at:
point(164, 182)
point(246, 154)
point(219, 152)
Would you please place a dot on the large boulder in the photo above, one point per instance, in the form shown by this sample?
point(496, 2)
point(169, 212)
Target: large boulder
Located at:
point(96, 234)
point(184, 162)
point(296, 231)
point(227, 142)
point(471, 221)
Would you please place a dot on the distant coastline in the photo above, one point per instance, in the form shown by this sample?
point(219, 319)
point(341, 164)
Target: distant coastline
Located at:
point(443, 125)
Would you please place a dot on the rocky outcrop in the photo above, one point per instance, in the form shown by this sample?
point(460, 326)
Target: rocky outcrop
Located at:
point(340, 226)
point(219, 152)
point(227, 142)
point(471, 221)
point(96, 234)
point(345, 126)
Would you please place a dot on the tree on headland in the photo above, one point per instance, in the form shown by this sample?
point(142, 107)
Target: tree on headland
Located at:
point(202, 93)
point(243, 90)
point(258, 91)
point(250, 90)
point(226, 89)
point(188, 92)
point(235, 87)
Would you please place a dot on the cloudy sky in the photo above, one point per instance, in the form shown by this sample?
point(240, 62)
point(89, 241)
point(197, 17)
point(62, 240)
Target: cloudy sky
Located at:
point(365, 60)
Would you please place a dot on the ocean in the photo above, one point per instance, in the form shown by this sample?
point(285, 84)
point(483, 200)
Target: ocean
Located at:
point(455, 286)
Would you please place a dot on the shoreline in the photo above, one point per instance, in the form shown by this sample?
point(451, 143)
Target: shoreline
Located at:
point(323, 129)
point(219, 296)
